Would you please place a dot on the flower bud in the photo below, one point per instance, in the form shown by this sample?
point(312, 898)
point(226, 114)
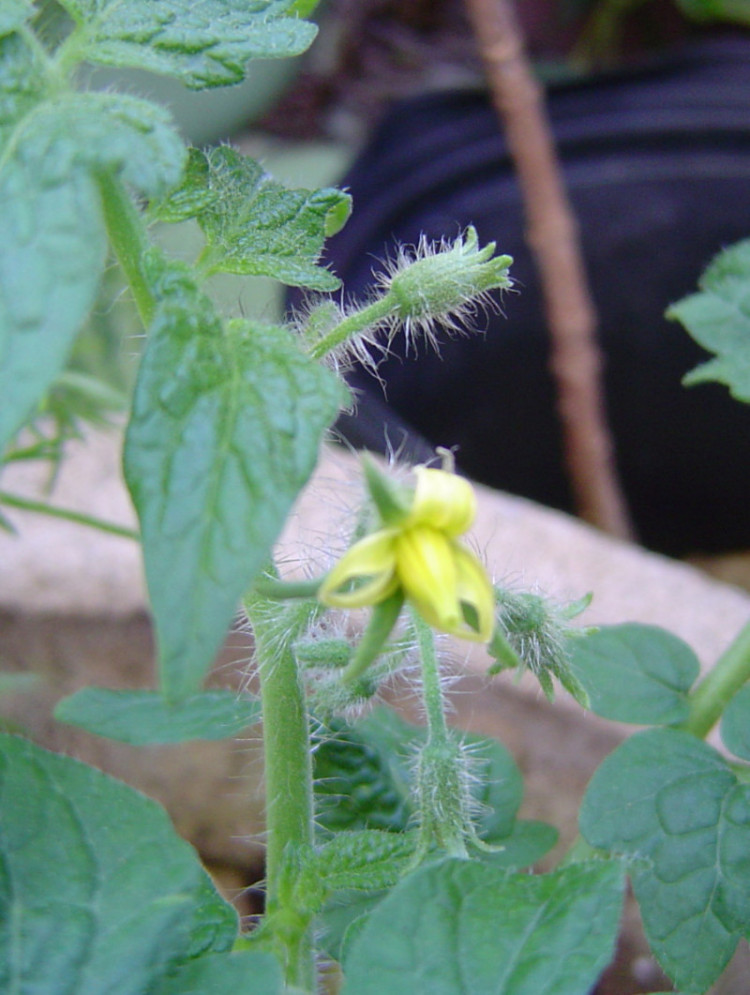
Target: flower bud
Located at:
point(437, 282)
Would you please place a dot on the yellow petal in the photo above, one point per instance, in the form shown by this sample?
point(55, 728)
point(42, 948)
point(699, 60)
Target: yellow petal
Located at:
point(365, 574)
point(443, 501)
point(427, 572)
point(475, 594)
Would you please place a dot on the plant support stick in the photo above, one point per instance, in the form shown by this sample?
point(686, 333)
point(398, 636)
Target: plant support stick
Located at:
point(552, 235)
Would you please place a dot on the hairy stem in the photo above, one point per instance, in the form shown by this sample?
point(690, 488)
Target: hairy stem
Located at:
point(354, 323)
point(127, 235)
point(281, 590)
point(444, 818)
point(432, 693)
point(718, 687)
point(288, 781)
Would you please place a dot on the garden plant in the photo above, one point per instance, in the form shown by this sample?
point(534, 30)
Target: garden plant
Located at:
point(393, 851)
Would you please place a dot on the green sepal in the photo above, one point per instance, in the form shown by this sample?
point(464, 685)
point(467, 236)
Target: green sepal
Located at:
point(391, 500)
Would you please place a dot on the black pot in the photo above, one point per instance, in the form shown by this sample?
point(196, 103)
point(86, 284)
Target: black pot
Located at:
point(657, 164)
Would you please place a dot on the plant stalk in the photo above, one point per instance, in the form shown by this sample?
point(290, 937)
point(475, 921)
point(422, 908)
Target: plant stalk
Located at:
point(288, 783)
point(127, 236)
point(432, 693)
point(360, 320)
point(41, 507)
point(444, 818)
point(718, 687)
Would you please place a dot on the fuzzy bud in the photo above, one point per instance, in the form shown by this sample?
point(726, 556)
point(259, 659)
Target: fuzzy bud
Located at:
point(438, 283)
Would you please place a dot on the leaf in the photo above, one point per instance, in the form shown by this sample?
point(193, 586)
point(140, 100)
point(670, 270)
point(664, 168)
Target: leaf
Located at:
point(460, 928)
point(343, 919)
point(193, 195)
point(527, 843)
point(498, 788)
point(51, 259)
point(103, 131)
point(356, 786)
point(368, 860)
point(13, 15)
point(254, 225)
point(53, 248)
point(141, 717)
point(716, 10)
point(669, 803)
point(735, 724)
point(245, 971)
point(203, 43)
point(225, 430)
point(363, 778)
point(718, 318)
point(97, 891)
point(636, 673)
point(21, 79)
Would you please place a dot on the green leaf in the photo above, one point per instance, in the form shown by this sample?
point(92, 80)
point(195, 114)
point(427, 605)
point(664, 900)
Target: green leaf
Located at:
point(13, 15)
point(141, 717)
point(636, 673)
point(203, 43)
point(53, 248)
point(460, 928)
point(21, 80)
point(245, 971)
point(103, 131)
point(193, 195)
point(526, 843)
point(343, 919)
point(363, 778)
point(97, 891)
point(254, 225)
point(498, 788)
point(735, 724)
point(225, 431)
point(669, 803)
point(368, 860)
point(718, 318)
point(716, 10)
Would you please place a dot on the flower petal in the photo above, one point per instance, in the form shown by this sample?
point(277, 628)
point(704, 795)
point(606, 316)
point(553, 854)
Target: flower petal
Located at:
point(475, 595)
point(427, 572)
point(443, 501)
point(365, 574)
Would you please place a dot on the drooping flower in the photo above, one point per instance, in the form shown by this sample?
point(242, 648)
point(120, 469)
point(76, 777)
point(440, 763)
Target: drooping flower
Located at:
point(417, 552)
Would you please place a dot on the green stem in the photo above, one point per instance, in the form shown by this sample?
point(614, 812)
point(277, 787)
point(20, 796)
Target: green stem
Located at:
point(718, 687)
point(25, 504)
point(432, 692)
point(368, 316)
point(444, 816)
point(288, 780)
point(127, 234)
point(281, 590)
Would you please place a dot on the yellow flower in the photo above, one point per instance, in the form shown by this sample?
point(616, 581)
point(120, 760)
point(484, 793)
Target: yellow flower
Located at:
point(420, 556)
